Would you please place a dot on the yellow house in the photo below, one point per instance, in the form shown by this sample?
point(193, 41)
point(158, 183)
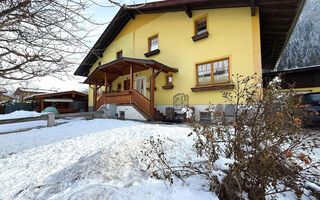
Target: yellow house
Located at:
point(150, 53)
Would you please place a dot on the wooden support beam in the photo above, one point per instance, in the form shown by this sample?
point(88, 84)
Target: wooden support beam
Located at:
point(105, 82)
point(42, 105)
point(278, 33)
point(131, 76)
point(187, 10)
point(99, 54)
point(268, 2)
point(253, 7)
point(112, 72)
point(95, 91)
point(131, 15)
point(152, 86)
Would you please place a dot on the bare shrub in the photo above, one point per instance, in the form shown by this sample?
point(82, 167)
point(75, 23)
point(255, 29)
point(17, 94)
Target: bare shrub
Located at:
point(262, 152)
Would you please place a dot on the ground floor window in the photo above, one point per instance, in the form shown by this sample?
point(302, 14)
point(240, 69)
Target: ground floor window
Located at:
point(213, 72)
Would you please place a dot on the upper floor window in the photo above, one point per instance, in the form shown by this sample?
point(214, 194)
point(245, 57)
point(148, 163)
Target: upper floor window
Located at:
point(201, 26)
point(213, 72)
point(153, 43)
point(119, 54)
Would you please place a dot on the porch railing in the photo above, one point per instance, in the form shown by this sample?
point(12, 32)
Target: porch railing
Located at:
point(141, 102)
point(126, 97)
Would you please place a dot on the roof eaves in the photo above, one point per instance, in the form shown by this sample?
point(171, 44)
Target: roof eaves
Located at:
point(293, 25)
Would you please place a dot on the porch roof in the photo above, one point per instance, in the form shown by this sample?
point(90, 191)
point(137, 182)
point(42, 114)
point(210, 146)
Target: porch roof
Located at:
point(121, 67)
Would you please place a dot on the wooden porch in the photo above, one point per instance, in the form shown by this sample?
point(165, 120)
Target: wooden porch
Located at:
point(107, 73)
point(133, 97)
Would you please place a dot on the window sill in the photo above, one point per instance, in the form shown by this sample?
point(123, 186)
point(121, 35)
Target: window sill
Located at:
point(151, 53)
point(167, 87)
point(213, 87)
point(200, 36)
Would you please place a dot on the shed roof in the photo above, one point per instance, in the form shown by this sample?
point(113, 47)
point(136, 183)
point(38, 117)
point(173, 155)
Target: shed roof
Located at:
point(31, 90)
point(277, 20)
point(54, 94)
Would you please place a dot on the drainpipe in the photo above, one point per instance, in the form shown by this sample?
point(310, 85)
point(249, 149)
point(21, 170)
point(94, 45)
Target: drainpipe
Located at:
point(150, 79)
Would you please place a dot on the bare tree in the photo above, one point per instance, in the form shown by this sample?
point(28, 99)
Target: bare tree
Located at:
point(45, 37)
point(41, 37)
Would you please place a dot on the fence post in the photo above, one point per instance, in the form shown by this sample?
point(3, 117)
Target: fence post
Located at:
point(105, 114)
point(51, 119)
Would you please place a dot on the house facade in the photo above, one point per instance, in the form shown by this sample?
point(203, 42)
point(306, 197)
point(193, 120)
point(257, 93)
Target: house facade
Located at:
point(148, 55)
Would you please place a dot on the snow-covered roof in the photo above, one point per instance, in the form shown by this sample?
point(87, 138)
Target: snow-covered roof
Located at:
point(296, 69)
point(34, 95)
point(32, 90)
point(54, 94)
point(3, 90)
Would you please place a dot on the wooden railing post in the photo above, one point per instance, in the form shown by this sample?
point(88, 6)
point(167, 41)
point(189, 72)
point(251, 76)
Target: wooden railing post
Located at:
point(105, 82)
point(131, 76)
point(95, 97)
point(152, 92)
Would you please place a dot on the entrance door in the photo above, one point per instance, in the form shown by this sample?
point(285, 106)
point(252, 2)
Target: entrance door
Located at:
point(126, 85)
point(141, 85)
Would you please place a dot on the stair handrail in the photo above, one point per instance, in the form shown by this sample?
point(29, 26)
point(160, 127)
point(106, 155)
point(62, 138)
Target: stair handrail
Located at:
point(137, 98)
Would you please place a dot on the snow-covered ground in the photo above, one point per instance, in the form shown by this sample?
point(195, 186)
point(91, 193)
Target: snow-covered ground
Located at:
point(19, 114)
point(96, 159)
point(26, 125)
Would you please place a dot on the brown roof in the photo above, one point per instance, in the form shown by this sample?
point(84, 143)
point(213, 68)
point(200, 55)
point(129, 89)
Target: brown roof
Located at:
point(277, 20)
point(120, 67)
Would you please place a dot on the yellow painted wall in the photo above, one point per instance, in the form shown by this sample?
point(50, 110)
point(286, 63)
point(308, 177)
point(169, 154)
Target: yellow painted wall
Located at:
point(233, 33)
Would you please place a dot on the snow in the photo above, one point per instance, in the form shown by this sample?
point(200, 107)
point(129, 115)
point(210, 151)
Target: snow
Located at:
point(26, 125)
point(188, 112)
point(19, 114)
point(96, 159)
point(303, 47)
point(16, 127)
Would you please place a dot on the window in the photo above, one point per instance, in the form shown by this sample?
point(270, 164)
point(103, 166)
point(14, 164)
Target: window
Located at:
point(169, 79)
point(213, 72)
point(119, 87)
point(153, 43)
point(119, 54)
point(205, 116)
point(221, 71)
point(100, 91)
point(204, 73)
point(201, 26)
